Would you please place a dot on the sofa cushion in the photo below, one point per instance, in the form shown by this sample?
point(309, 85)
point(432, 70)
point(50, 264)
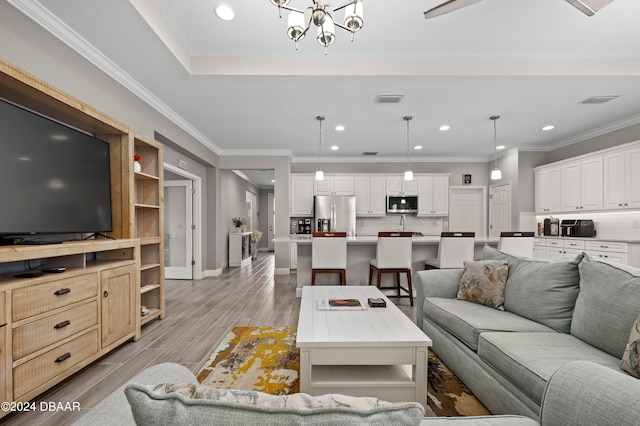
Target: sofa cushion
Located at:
point(189, 404)
point(631, 357)
point(607, 306)
point(529, 359)
point(467, 320)
point(483, 282)
point(540, 290)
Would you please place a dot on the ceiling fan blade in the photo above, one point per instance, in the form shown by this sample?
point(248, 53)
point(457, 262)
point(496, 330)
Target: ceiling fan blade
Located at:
point(589, 7)
point(449, 6)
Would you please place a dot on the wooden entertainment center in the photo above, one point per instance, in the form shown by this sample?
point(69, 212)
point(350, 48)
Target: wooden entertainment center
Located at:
point(53, 325)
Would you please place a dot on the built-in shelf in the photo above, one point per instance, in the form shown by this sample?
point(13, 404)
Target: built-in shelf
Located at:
point(148, 287)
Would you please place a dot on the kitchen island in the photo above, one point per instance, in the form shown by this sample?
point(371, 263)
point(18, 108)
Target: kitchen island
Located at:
point(361, 249)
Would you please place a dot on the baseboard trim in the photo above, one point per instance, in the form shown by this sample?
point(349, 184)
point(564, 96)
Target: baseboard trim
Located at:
point(299, 292)
point(212, 273)
point(282, 271)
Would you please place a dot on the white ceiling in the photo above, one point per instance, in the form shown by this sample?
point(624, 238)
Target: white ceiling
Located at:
point(240, 87)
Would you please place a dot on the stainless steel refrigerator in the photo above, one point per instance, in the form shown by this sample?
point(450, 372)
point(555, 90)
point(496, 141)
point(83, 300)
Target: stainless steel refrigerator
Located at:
point(335, 213)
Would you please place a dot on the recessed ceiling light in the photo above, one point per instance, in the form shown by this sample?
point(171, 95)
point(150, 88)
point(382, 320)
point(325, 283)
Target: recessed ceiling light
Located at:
point(225, 12)
point(500, 147)
point(549, 127)
point(335, 148)
point(273, 181)
point(339, 128)
point(417, 147)
point(444, 128)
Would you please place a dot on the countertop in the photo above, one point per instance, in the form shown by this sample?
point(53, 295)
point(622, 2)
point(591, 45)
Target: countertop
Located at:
point(372, 239)
point(614, 239)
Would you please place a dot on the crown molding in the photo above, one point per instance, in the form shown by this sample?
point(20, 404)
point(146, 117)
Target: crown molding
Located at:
point(43, 17)
point(374, 159)
point(256, 152)
point(609, 128)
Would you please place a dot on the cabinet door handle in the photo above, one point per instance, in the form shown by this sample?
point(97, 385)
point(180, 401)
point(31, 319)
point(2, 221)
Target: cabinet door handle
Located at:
point(106, 293)
point(62, 291)
point(64, 357)
point(62, 324)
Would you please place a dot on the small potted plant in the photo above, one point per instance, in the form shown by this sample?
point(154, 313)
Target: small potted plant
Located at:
point(137, 167)
point(238, 222)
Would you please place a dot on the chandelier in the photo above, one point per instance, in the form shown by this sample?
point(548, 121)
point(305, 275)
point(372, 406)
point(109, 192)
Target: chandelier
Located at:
point(321, 15)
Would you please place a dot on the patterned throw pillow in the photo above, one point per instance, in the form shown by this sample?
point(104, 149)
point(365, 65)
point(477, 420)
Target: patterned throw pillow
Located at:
point(631, 357)
point(483, 282)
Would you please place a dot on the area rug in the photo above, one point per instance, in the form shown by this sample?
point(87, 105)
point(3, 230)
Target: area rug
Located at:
point(266, 359)
point(447, 395)
point(263, 359)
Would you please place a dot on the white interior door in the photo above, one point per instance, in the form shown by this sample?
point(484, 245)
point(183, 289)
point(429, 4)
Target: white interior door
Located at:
point(467, 210)
point(271, 214)
point(178, 229)
point(499, 209)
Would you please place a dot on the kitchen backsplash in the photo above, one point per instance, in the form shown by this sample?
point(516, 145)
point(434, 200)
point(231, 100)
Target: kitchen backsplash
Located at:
point(426, 225)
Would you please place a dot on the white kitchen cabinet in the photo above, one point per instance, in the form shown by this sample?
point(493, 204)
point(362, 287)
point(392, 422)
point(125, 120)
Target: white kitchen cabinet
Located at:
point(370, 196)
point(302, 195)
point(433, 195)
point(621, 171)
point(334, 185)
point(548, 190)
point(396, 185)
point(539, 249)
point(554, 249)
point(611, 251)
point(582, 184)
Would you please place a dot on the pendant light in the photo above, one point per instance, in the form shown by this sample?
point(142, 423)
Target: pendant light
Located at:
point(496, 174)
point(320, 173)
point(408, 174)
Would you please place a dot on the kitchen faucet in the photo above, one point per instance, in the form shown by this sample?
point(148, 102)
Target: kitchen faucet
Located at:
point(402, 219)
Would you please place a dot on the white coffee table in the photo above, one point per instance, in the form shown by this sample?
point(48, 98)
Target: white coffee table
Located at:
point(377, 352)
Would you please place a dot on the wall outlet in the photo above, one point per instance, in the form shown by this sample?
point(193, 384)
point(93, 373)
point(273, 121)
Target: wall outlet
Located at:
point(635, 223)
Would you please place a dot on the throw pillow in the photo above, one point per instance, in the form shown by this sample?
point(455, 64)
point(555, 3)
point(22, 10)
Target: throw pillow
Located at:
point(189, 404)
point(631, 357)
point(607, 306)
point(483, 282)
point(540, 290)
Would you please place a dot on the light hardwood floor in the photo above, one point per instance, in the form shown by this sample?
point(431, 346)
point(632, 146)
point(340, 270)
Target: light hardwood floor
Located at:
point(198, 315)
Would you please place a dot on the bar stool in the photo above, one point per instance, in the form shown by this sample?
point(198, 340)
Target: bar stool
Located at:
point(517, 243)
point(329, 255)
point(453, 250)
point(393, 256)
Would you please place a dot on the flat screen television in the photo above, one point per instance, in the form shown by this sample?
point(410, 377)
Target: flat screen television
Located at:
point(53, 179)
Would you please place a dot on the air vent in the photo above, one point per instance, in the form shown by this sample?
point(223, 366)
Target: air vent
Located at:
point(388, 99)
point(599, 99)
point(370, 153)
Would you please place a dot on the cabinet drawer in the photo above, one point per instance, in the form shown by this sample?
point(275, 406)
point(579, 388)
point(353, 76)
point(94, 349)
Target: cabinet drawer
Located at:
point(608, 246)
point(574, 244)
point(610, 256)
point(553, 243)
point(38, 371)
point(46, 331)
point(41, 298)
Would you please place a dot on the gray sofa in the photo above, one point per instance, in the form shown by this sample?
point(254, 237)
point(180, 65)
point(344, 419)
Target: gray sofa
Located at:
point(554, 313)
point(601, 399)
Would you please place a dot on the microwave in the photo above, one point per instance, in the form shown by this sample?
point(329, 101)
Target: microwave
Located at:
point(398, 204)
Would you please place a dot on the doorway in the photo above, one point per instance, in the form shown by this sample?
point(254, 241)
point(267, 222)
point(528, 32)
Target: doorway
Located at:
point(499, 209)
point(182, 245)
